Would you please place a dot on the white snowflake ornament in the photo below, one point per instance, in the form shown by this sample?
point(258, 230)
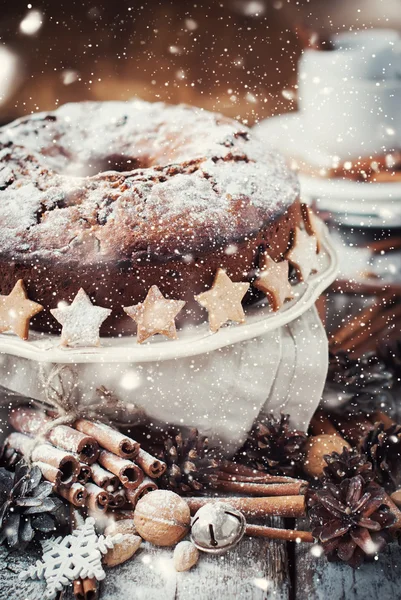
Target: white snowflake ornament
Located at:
point(81, 321)
point(78, 555)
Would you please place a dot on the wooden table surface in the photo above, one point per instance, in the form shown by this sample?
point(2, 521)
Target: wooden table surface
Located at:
point(255, 570)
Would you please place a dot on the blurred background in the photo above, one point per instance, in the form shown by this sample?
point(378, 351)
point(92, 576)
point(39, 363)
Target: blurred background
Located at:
point(235, 56)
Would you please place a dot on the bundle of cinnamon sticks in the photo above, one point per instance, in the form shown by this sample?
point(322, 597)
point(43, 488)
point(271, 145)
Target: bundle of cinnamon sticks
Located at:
point(360, 333)
point(89, 464)
point(240, 479)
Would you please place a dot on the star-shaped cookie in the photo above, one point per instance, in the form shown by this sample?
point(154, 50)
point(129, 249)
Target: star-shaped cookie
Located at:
point(313, 224)
point(16, 310)
point(272, 280)
point(156, 314)
point(81, 321)
point(223, 301)
point(303, 255)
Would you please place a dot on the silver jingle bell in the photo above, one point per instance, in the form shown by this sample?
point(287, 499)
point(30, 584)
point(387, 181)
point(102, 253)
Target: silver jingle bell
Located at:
point(217, 527)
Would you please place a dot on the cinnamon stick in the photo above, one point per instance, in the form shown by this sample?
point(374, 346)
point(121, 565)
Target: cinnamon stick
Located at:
point(118, 499)
point(78, 589)
point(50, 473)
point(133, 496)
point(153, 467)
point(91, 588)
point(76, 494)
point(272, 533)
point(260, 477)
point(380, 416)
point(320, 424)
point(376, 326)
point(67, 464)
point(30, 421)
point(97, 498)
point(84, 474)
point(365, 287)
point(262, 489)
point(279, 506)
point(354, 428)
point(109, 438)
point(104, 479)
point(127, 472)
point(357, 323)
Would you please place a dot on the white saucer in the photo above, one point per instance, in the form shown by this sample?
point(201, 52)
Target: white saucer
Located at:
point(359, 203)
point(191, 341)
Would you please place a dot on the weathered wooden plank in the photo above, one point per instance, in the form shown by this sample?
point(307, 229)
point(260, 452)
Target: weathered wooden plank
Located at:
point(11, 564)
point(254, 570)
point(317, 579)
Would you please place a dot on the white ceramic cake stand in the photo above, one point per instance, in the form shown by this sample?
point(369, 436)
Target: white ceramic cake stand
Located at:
point(359, 203)
point(216, 382)
point(191, 340)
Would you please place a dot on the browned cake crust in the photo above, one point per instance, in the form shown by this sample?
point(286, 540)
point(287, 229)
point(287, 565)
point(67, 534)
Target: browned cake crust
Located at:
point(185, 192)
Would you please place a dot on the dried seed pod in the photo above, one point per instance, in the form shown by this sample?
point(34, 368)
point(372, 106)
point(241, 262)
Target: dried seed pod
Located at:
point(124, 527)
point(123, 550)
point(185, 556)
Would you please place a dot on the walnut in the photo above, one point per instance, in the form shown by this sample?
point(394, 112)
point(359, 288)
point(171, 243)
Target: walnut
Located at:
point(185, 556)
point(162, 518)
point(317, 447)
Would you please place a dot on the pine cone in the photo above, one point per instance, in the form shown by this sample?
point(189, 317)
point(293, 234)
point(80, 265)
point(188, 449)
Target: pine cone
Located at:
point(350, 519)
point(383, 449)
point(346, 465)
point(273, 446)
point(365, 381)
point(390, 354)
point(25, 504)
point(189, 467)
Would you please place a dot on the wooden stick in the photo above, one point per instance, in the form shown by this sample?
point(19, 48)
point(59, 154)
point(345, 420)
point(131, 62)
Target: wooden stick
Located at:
point(284, 506)
point(262, 489)
point(29, 421)
point(272, 533)
point(153, 467)
point(128, 472)
point(109, 438)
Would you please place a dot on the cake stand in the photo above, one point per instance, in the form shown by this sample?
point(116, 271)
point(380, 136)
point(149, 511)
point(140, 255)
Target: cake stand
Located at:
point(216, 382)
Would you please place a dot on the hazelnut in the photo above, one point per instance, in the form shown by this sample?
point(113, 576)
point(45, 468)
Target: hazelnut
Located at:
point(185, 556)
point(162, 518)
point(123, 550)
point(317, 447)
point(125, 526)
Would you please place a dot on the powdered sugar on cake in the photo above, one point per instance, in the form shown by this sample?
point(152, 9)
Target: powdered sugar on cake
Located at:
point(184, 180)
